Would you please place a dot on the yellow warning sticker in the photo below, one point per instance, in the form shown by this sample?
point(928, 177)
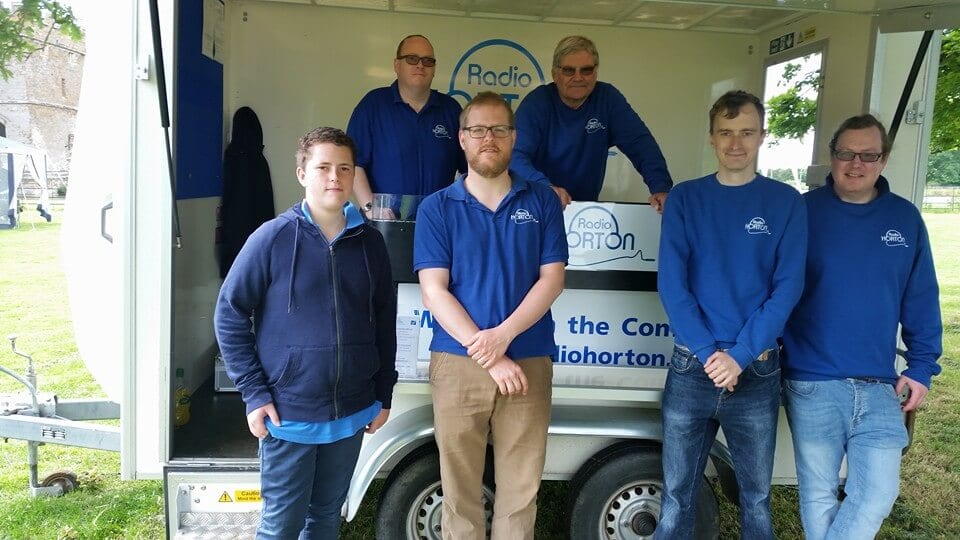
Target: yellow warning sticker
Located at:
point(247, 495)
point(225, 497)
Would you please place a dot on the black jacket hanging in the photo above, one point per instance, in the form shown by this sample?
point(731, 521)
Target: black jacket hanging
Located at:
point(247, 190)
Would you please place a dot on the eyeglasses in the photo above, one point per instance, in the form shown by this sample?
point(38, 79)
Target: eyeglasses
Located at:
point(866, 157)
point(412, 59)
point(585, 71)
point(479, 132)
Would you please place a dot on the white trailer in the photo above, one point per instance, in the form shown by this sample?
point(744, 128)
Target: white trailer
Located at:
point(143, 299)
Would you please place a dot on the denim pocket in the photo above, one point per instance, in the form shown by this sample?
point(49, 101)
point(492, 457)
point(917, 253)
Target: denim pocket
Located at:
point(682, 360)
point(767, 367)
point(800, 388)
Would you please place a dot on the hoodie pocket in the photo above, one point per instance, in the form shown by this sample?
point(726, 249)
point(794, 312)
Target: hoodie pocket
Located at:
point(309, 373)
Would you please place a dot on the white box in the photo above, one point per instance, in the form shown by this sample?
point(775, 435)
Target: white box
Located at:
point(221, 383)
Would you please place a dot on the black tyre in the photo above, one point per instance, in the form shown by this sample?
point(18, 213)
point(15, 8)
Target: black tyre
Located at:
point(618, 497)
point(411, 501)
point(67, 481)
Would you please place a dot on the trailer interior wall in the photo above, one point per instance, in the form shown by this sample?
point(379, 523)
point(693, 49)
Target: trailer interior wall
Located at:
point(300, 66)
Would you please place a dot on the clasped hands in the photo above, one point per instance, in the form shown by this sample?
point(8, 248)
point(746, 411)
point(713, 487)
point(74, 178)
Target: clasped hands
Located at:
point(723, 370)
point(489, 349)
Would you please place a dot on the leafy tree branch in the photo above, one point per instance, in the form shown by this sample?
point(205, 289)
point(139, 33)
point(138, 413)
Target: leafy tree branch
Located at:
point(19, 28)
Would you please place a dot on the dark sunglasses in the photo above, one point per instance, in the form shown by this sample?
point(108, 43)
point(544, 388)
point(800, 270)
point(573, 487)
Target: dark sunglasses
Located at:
point(413, 60)
point(585, 71)
point(866, 157)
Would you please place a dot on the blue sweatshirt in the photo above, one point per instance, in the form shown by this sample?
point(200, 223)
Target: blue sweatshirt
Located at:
point(731, 264)
point(869, 269)
point(324, 314)
point(568, 147)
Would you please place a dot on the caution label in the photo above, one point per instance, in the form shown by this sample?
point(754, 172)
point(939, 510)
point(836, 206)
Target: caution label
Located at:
point(225, 497)
point(247, 495)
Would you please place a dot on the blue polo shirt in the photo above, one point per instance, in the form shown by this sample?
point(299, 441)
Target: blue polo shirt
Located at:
point(405, 152)
point(494, 258)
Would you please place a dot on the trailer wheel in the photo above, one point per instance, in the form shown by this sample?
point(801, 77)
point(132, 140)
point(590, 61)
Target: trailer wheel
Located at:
point(618, 497)
point(67, 481)
point(411, 503)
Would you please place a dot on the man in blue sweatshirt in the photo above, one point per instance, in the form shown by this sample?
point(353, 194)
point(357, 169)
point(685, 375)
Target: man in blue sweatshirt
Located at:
point(732, 253)
point(869, 270)
point(564, 130)
point(306, 322)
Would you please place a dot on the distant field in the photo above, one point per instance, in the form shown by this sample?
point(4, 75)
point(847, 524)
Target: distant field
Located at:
point(33, 304)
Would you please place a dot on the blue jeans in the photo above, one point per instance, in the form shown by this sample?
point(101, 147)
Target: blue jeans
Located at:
point(693, 410)
point(303, 487)
point(859, 418)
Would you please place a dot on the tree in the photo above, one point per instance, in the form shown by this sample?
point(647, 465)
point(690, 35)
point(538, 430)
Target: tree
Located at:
point(945, 132)
point(943, 168)
point(18, 28)
point(793, 113)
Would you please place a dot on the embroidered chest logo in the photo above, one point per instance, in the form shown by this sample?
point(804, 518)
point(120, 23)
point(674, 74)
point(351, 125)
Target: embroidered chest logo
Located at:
point(757, 225)
point(521, 216)
point(440, 132)
point(893, 238)
point(594, 125)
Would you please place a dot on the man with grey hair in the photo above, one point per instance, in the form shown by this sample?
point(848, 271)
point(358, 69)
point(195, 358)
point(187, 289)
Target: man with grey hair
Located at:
point(564, 130)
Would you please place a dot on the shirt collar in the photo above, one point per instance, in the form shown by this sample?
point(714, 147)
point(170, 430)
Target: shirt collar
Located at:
point(458, 190)
point(395, 90)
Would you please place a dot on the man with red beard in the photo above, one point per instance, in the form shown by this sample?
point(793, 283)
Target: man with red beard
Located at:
point(490, 252)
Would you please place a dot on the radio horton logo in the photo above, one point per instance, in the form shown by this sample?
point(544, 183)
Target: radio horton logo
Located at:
point(893, 238)
point(757, 225)
point(596, 236)
point(496, 65)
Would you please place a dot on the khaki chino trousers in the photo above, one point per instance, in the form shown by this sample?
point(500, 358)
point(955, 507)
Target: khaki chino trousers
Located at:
point(468, 409)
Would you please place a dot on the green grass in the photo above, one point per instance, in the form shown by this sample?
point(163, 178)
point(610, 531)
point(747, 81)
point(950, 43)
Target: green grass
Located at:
point(35, 307)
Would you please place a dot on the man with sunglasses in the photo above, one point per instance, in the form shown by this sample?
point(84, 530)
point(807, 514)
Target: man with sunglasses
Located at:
point(565, 129)
point(490, 253)
point(869, 271)
point(406, 133)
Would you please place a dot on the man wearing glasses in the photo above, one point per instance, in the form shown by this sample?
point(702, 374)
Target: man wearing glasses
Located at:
point(565, 129)
point(406, 132)
point(869, 270)
point(490, 252)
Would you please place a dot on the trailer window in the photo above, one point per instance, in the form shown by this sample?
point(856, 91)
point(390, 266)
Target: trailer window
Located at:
point(791, 94)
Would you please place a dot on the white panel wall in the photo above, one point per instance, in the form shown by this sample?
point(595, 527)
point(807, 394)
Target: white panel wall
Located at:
point(299, 66)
